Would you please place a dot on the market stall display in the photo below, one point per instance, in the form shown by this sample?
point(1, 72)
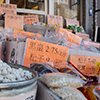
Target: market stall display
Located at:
point(14, 85)
point(64, 58)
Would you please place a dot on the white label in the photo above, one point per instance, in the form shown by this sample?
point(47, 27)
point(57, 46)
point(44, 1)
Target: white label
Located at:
point(27, 96)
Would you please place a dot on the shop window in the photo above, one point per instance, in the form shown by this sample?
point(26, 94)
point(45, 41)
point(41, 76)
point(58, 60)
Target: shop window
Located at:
point(2, 1)
point(68, 9)
point(29, 4)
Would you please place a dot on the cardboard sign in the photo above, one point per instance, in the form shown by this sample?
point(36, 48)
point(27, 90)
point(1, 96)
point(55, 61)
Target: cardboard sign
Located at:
point(72, 22)
point(13, 21)
point(54, 20)
point(85, 64)
point(26, 33)
point(70, 36)
point(28, 19)
point(8, 8)
point(38, 51)
point(82, 35)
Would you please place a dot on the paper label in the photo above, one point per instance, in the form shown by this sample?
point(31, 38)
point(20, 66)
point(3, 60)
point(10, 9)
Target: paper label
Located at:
point(28, 19)
point(70, 36)
point(72, 22)
point(54, 20)
point(8, 8)
point(38, 51)
point(85, 64)
point(13, 21)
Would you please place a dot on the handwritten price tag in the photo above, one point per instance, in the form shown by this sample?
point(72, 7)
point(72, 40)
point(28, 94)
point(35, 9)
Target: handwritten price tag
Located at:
point(72, 22)
point(70, 36)
point(38, 51)
point(27, 33)
point(54, 20)
point(85, 64)
point(8, 8)
point(28, 19)
point(14, 21)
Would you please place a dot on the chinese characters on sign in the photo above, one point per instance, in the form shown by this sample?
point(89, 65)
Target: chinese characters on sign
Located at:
point(72, 22)
point(8, 8)
point(28, 19)
point(38, 51)
point(70, 36)
point(54, 20)
point(85, 64)
point(14, 21)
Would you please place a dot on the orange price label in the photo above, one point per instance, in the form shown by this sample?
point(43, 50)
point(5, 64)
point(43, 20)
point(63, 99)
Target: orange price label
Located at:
point(54, 20)
point(26, 33)
point(38, 51)
point(70, 36)
point(28, 19)
point(85, 64)
point(8, 8)
point(72, 22)
point(13, 21)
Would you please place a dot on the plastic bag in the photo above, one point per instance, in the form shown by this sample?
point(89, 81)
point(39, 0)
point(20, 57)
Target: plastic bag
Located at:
point(68, 93)
point(60, 80)
point(91, 91)
point(2, 35)
point(9, 33)
point(43, 68)
point(66, 68)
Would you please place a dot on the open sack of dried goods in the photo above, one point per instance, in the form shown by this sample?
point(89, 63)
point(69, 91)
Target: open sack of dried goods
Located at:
point(9, 74)
point(17, 82)
point(68, 93)
point(61, 79)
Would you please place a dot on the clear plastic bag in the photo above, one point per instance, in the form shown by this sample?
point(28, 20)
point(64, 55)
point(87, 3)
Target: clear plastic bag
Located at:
point(67, 68)
point(68, 93)
point(9, 33)
point(60, 80)
point(43, 68)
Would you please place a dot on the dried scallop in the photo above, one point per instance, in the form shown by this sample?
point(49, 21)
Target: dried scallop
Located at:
point(8, 74)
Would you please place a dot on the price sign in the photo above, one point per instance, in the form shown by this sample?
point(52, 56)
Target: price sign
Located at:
point(70, 36)
point(54, 20)
point(38, 51)
point(72, 22)
point(8, 8)
point(85, 64)
point(26, 33)
point(28, 19)
point(13, 21)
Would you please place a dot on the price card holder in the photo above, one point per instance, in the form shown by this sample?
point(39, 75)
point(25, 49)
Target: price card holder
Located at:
point(85, 64)
point(8, 8)
point(14, 21)
point(27, 33)
point(28, 19)
point(38, 51)
point(70, 36)
point(72, 22)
